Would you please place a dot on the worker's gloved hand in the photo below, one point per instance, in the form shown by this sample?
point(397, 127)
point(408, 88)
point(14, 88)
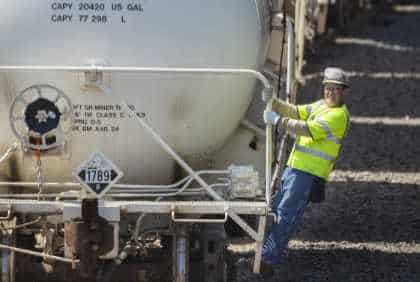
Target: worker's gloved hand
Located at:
point(271, 117)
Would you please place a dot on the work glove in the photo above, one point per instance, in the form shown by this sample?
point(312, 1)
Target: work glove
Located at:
point(271, 117)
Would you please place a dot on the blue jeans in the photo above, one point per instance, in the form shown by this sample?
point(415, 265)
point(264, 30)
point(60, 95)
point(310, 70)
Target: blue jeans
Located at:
point(289, 204)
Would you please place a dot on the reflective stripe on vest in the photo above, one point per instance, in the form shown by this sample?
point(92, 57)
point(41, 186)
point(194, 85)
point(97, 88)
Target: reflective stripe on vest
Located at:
point(313, 107)
point(314, 153)
point(309, 110)
point(329, 136)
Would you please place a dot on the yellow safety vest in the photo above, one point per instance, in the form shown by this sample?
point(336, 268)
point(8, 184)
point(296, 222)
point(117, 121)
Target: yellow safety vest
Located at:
point(328, 126)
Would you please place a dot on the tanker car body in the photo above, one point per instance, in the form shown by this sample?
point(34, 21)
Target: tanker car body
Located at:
point(143, 92)
point(186, 109)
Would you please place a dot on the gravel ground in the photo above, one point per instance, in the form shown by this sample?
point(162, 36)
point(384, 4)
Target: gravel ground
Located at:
point(369, 227)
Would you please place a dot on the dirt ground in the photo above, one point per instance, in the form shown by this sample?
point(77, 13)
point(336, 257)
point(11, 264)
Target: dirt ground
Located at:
point(369, 227)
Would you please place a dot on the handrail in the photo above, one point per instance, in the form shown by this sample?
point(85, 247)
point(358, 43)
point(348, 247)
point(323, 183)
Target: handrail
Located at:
point(150, 70)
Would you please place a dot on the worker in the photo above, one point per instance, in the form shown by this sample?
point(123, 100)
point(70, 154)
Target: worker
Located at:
point(319, 128)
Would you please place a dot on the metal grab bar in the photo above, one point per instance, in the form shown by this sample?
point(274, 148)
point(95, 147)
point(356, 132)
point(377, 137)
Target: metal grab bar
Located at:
point(198, 220)
point(151, 70)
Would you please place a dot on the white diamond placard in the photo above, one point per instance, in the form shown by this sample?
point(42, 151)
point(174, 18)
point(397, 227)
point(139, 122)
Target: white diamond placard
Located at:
point(97, 174)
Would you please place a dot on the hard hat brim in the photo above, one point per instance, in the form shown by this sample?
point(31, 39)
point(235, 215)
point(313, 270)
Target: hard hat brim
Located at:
point(335, 82)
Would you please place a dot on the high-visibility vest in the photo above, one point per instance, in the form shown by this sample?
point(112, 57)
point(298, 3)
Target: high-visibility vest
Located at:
point(327, 126)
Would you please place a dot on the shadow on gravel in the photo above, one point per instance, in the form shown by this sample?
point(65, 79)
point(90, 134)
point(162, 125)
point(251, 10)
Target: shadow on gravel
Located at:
point(364, 231)
point(379, 147)
point(342, 265)
point(364, 212)
point(366, 57)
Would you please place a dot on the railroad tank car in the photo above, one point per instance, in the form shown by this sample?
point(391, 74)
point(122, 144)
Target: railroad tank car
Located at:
point(194, 113)
point(68, 69)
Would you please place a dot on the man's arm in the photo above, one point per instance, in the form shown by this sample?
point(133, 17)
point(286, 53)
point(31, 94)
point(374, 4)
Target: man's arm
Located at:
point(298, 112)
point(292, 118)
point(285, 109)
point(293, 126)
point(331, 126)
point(296, 127)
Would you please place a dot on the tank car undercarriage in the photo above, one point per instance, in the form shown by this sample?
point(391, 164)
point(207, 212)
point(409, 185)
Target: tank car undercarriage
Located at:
point(120, 240)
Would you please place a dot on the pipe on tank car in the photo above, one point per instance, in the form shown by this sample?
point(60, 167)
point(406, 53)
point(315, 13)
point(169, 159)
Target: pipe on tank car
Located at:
point(289, 89)
point(117, 186)
point(135, 236)
point(290, 56)
point(150, 70)
point(38, 254)
point(165, 146)
point(268, 158)
point(9, 152)
point(115, 195)
point(123, 193)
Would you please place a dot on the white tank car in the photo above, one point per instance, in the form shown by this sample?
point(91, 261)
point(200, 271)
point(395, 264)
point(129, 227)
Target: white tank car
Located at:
point(195, 114)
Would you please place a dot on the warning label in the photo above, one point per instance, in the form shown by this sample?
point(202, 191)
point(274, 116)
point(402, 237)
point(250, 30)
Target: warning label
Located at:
point(98, 174)
point(101, 118)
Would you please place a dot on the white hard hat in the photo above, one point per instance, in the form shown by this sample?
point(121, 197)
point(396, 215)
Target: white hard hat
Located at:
point(335, 75)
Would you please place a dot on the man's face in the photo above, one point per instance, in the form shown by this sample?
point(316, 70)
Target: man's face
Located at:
point(334, 94)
